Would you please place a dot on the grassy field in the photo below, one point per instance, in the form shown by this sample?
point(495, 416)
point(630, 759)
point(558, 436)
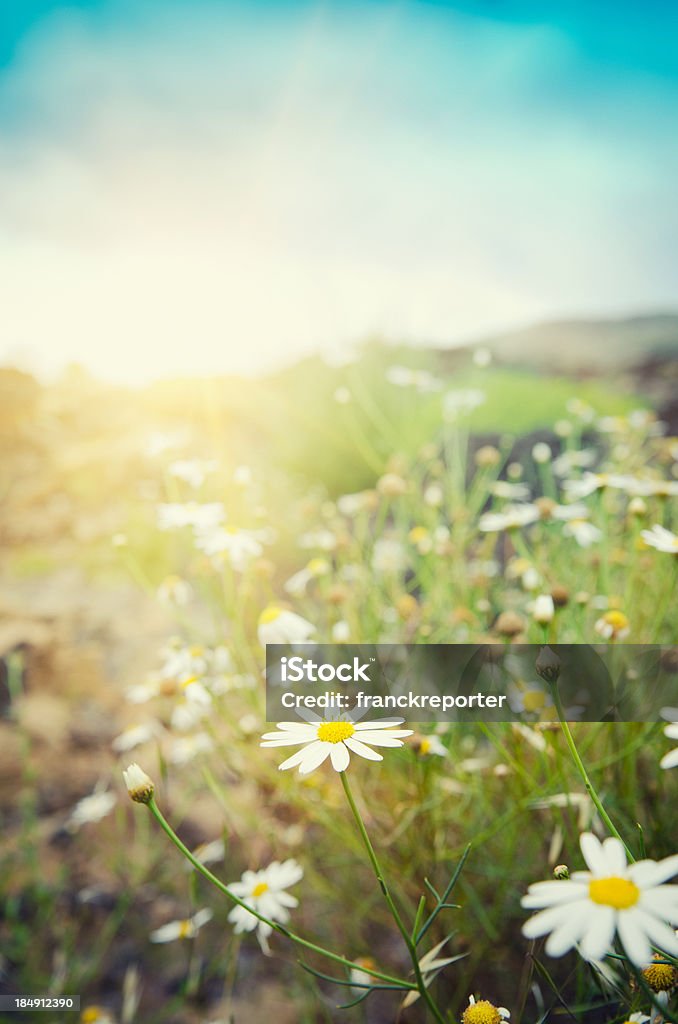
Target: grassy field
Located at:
point(392, 500)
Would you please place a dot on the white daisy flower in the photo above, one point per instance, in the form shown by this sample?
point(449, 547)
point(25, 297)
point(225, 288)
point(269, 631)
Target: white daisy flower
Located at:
point(583, 532)
point(280, 626)
point(661, 539)
point(91, 809)
point(611, 897)
point(174, 591)
point(265, 891)
point(185, 748)
point(389, 557)
point(592, 482)
point(186, 929)
point(461, 403)
point(670, 760)
point(193, 472)
point(238, 547)
point(135, 736)
point(175, 515)
point(335, 739)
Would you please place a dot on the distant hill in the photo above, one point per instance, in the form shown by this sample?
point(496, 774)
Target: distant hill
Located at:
point(590, 346)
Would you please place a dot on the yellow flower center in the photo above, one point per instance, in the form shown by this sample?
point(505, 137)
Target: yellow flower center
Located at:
point(260, 889)
point(619, 893)
point(269, 615)
point(91, 1014)
point(534, 700)
point(185, 929)
point(617, 620)
point(661, 977)
point(425, 746)
point(335, 732)
point(482, 1012)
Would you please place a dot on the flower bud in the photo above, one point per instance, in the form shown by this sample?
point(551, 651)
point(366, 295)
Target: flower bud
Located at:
point(139, 785)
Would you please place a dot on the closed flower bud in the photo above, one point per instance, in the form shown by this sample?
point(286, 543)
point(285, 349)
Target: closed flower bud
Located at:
point(548, 665)
point(139, 785)
point(561, 872)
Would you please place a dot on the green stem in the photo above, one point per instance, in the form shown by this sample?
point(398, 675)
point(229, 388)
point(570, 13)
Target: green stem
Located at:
point(590, 788)
point(206, 873)
point(379, 874)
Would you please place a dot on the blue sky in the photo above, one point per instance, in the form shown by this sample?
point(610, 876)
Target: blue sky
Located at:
point(204, 187)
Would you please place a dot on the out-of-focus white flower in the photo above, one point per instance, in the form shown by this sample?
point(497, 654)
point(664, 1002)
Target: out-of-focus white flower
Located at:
point(430, 746)
point(582, 458)
point(341, 632)
point(342, 396)
point(200, 516)
point(280, 626)
point(660, 538)
point(160, 442)
point(321, 540)
point(583, 532)
point(210, 853)
point(185, 748)
point(541, 453)
point(421, 380)
point(186, 929)
point(266, 892)
point(670, 760)
point(296, 585)
point(353, 504)
point(242, 476)
point(592, 482)
point(433, 495)
point(389, 557)
point(238, 547)
point(91, 809)
point(174, 591)
point(193, 472)
point(461, 403)
point(613, 625)
point(482, 357)
point(135, 736)
point(510, 491)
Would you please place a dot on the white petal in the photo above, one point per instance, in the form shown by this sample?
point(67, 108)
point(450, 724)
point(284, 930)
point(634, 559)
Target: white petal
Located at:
point(649, 872)
point(615, 855)
point(545, 921)
point(633, 939)
point(359, 748)
point(593, 854)
point(383, 739)
point(669, 760)
point(550, 894)
point(600, 933)
point(657, 931)
point(569, 931)
point(314, 756)
point(295, 759)
point(340, 757)
point(283, 740)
